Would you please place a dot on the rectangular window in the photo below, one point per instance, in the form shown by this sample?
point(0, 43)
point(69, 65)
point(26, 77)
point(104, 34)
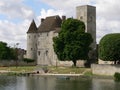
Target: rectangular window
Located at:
point(39, 53)
point(47, 34)
point(35, 36)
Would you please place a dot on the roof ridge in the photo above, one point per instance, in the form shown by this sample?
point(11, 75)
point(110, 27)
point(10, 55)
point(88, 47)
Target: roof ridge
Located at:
point(50, 23)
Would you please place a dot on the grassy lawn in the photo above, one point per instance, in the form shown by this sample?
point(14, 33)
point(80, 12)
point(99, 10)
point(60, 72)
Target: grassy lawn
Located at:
point(64, 70)
point(19, 68)
point(51, 69)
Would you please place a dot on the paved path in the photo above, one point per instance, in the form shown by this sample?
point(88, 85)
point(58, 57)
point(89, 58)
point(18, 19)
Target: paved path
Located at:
point(50, 74)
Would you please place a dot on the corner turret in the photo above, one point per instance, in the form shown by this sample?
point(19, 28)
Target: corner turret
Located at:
point(32, 41)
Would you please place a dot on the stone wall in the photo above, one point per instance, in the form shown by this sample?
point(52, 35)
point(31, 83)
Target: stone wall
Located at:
point(105, 69)
point(32, 46)
point(14, 63)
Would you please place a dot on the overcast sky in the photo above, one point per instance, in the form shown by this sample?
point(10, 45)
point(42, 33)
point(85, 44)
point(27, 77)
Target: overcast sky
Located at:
point(16, 16)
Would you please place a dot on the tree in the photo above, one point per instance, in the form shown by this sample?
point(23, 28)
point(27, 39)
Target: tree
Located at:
point(72, 43)
point(6, 52)
point(109, 47)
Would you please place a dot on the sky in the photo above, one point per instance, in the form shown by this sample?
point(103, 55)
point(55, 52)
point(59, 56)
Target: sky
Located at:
point(16, 16)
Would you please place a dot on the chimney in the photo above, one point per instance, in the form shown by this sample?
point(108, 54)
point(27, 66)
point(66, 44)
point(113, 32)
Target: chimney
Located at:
point(63, 18)
point(42, 19)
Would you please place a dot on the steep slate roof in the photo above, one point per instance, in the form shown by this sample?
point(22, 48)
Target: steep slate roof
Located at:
point(32, 28)
point(50, 24)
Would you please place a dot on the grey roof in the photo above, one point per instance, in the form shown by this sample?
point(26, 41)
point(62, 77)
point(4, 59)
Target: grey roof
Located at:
point(50, 24)
point(32, 28)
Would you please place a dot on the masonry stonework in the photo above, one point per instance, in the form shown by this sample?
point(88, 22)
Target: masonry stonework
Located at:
point(105, 69)
point(40, 40)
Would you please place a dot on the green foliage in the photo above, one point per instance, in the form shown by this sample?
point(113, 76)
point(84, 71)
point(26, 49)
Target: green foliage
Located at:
point(28, 60)
point(109, 47)
point(72, 43)
point(117, 76)
point(6, 52)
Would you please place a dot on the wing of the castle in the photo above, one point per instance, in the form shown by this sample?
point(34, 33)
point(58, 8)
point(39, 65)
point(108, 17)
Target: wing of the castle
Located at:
point(46, 31)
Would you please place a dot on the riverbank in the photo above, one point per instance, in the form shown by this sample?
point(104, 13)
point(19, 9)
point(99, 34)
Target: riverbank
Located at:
point(36, 70)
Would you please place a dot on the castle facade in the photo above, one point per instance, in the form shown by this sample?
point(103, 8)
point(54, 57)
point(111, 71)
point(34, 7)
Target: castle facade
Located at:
point(40, 39)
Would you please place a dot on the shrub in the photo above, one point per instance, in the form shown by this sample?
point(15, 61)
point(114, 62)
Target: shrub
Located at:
point(109, 47)
point(117, 76)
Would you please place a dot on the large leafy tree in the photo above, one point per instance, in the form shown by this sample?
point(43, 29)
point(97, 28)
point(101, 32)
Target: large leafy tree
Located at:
point(72, 43)
point(109, 47)
point(6, 52)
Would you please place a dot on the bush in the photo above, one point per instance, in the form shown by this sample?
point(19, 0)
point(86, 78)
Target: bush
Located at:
point(117, 76)
point(28, 60)
point(109, 47)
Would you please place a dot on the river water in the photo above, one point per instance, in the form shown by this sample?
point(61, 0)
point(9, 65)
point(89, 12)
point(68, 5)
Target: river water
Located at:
point(56, 83)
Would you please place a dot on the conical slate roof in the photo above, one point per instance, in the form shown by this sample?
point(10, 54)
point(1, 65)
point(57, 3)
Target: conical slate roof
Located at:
point(50, 24)
point(32, 28)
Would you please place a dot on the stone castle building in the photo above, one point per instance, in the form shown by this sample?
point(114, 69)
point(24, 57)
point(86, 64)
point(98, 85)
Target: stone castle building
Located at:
point(40, 39)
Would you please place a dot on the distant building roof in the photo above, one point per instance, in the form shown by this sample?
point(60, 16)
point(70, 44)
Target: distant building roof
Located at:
point(32, 28)
point(50, 24)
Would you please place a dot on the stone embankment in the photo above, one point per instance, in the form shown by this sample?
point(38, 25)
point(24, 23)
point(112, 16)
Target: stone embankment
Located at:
point(105, 69)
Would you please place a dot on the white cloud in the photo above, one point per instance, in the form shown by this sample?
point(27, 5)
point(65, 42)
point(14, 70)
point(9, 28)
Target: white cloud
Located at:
point(109, 9)
point(15, 9)
point(45, 13)
point(67, 6)
point(10, 31)
point(50, 12)
point(14, 33)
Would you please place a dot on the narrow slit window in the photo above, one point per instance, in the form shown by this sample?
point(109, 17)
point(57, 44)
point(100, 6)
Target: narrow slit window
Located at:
point(39, 53)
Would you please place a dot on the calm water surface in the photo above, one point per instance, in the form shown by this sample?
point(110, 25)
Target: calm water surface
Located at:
point(53, 83)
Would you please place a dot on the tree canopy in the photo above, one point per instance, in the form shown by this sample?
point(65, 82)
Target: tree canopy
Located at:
point(6, 52)
point(72, 42)
point(109, 47)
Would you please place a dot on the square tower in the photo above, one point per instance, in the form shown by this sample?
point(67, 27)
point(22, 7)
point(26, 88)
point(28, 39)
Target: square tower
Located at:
point(87, 14)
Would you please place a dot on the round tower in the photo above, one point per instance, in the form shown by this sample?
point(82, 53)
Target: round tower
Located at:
point(32, 41)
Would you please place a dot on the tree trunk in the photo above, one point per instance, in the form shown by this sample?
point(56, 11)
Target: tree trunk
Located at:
point(115, 62)
point(74, 62)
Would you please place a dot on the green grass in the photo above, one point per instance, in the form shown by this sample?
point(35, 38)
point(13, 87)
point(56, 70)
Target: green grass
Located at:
point(19, 68)
point(66, 70)
point(51, 69)
point(88, 73)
